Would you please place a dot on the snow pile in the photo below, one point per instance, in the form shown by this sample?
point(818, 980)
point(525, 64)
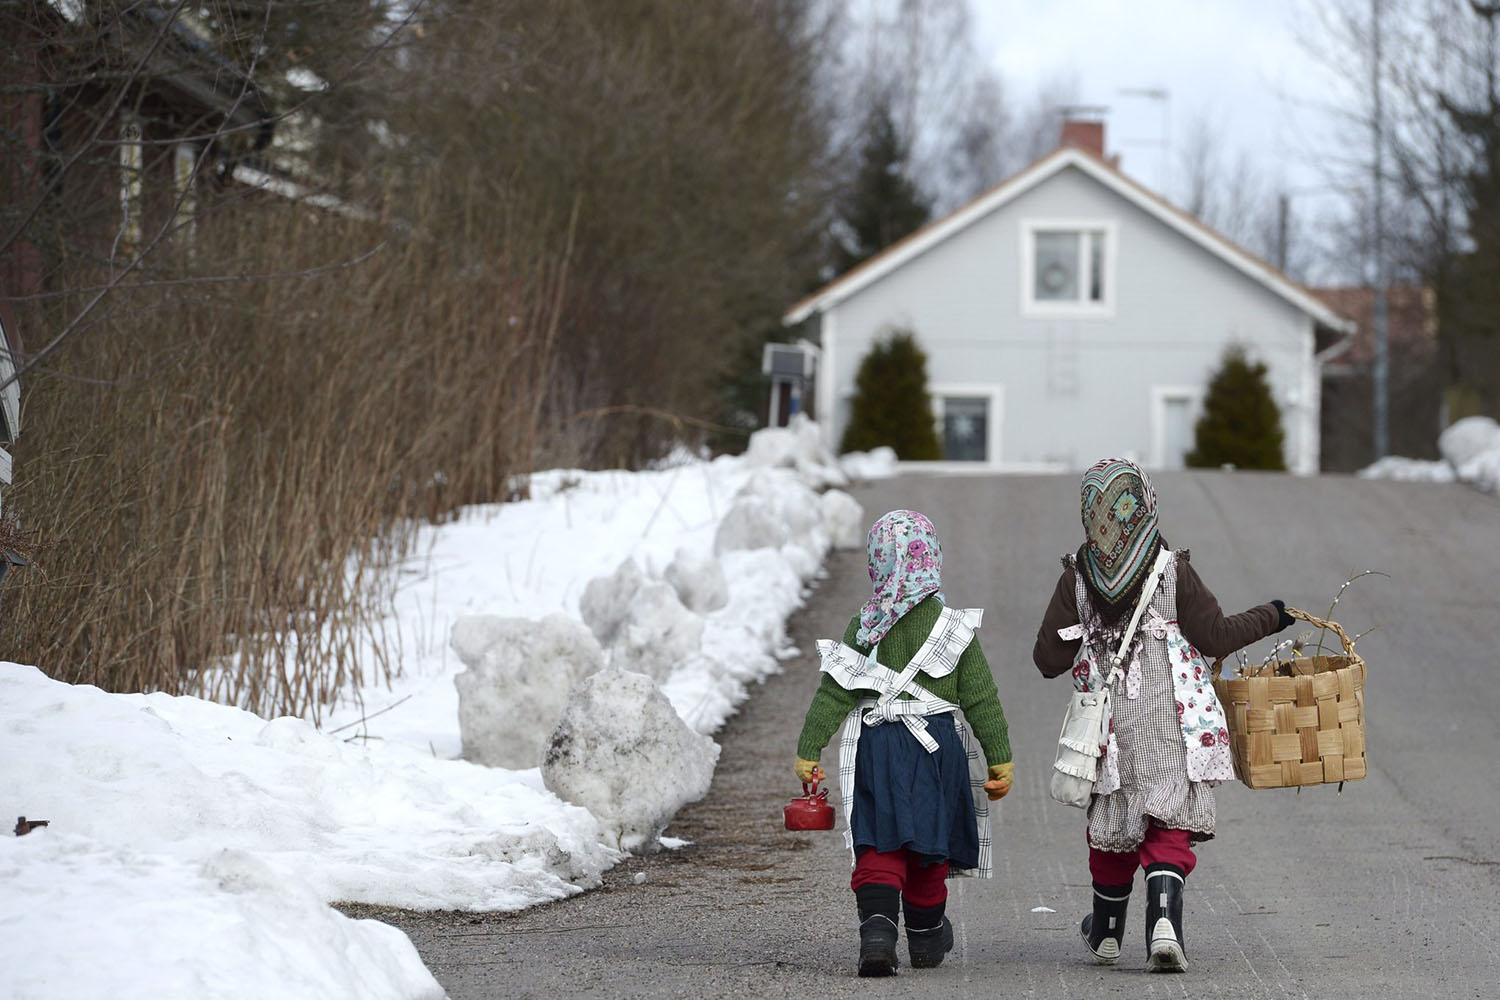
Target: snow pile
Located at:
point(1413, 470)
point(1471, 453)
point(1467, 439)
point(862, 466)
point(517, 681)
point(227, 926)
point(622, 751)
point(1473, 446)
point(799, 447)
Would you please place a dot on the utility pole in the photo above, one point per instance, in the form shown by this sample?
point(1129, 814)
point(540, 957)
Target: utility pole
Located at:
point(1381, 373)
point(1283, 210)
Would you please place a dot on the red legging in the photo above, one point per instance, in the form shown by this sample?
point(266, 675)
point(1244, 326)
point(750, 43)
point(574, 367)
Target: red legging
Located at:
point(921, 885)
point(1162, 845)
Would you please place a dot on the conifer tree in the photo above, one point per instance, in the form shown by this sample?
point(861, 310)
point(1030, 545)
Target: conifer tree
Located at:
point(1467, 278)
point(883, 204)
point(1241, 425)
point(891, 405)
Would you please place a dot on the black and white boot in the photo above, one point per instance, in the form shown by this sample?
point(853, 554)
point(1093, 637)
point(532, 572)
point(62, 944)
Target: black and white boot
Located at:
point(1165, 948)
point(929, 935)
point(879, 909)
point(1103, 930)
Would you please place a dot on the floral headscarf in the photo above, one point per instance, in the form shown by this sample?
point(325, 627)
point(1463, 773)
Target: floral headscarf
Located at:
point(906, 564)
point(1123, 537)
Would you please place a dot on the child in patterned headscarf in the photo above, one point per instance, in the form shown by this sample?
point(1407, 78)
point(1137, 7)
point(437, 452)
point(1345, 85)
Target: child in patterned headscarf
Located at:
point(907, 666)
point(1168, 744)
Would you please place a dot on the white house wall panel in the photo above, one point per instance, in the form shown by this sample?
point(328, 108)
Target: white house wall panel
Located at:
point(1106, 377)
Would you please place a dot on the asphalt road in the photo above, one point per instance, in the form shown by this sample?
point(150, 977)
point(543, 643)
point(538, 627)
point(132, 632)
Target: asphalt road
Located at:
point(1391, 889)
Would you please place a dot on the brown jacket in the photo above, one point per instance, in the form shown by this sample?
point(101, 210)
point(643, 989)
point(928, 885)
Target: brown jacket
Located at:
point(1198, 615)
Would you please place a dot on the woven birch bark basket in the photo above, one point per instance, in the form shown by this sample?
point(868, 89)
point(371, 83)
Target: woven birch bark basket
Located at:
point(1300, 721)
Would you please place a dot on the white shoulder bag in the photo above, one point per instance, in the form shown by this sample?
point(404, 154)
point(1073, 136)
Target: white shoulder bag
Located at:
point(1085, 727)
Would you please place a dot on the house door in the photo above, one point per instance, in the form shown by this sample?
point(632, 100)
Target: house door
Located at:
point(1174, 414)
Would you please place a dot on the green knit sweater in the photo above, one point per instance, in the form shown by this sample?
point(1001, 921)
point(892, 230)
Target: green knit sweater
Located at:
point(970, 687)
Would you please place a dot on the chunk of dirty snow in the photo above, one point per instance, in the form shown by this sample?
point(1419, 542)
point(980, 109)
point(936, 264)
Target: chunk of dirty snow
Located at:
point(698, 578)
point(517, 680)
point(605, 603)
point(1042, 909)
point(658, 633)
point(750, 523)
point(843, 520)
point(623, 753)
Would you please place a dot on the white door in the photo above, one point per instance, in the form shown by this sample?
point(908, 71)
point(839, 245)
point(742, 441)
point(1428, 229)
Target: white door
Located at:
point(1174, 414)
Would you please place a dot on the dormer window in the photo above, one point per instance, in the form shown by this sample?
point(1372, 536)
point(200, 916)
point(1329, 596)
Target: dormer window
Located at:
point(1067, 268)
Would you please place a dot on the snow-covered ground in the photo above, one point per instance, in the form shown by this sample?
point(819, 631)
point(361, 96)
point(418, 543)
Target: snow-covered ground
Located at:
point(192, 848)
point(1471, 454)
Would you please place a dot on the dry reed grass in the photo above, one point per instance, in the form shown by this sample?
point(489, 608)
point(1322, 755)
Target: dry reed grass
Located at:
point(220, 473)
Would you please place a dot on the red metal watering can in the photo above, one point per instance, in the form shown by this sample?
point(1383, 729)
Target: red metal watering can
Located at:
point(809, 811)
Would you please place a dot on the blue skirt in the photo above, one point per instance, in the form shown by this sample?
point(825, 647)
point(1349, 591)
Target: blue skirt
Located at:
point(907, 797)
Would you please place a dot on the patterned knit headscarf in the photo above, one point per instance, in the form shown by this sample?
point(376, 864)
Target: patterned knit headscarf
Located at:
point(1119, 521)
point(906, 564)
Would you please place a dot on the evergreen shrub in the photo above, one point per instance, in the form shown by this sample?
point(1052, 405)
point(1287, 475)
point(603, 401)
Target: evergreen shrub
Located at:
point(891, 404)
point(1241, 424)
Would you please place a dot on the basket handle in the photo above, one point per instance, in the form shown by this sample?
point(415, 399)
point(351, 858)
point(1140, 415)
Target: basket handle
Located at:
point(1317, 622)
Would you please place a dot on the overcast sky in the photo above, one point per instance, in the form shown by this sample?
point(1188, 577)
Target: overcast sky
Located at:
point(1239, 61)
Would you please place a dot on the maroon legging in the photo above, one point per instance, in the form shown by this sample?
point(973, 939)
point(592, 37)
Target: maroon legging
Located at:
point(1162, 845)
point(921, 885)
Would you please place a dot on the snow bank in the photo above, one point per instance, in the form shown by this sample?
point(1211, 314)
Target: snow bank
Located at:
point(517, 681)
point(226, 926)
point(1408, 470)
point(147, 793)
point(365, 823)
point(1471, 453)
point(622, 751)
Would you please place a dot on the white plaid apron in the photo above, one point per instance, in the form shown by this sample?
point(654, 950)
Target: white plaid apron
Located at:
point(937, 657)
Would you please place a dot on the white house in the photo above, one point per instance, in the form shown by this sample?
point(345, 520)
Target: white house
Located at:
point(1070, 314)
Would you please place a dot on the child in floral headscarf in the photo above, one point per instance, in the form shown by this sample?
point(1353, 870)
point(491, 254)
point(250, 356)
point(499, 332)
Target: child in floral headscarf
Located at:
point(1168, 745)
point(907, 666)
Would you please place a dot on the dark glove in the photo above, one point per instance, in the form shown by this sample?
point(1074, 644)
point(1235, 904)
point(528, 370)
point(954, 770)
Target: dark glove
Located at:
point(1283, 619)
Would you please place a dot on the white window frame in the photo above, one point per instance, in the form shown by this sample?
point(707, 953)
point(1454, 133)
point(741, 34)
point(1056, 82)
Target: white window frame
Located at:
point(991, 391)
point(1031, 306)
point(1160, 395)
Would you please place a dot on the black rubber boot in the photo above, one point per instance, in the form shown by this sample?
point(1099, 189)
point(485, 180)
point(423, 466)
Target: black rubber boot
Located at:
point(929, 935)
point(879, 909)
point(1104, 929)
point(1165, 947)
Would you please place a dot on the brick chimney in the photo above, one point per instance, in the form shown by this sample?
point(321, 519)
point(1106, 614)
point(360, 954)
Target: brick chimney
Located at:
point(1084, 135)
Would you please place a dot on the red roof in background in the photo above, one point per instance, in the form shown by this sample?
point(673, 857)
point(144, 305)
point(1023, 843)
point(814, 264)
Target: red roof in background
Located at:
point(1411, 321)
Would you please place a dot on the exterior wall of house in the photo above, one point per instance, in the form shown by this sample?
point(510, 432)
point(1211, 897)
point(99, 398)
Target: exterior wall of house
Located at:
point(1072, 390)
